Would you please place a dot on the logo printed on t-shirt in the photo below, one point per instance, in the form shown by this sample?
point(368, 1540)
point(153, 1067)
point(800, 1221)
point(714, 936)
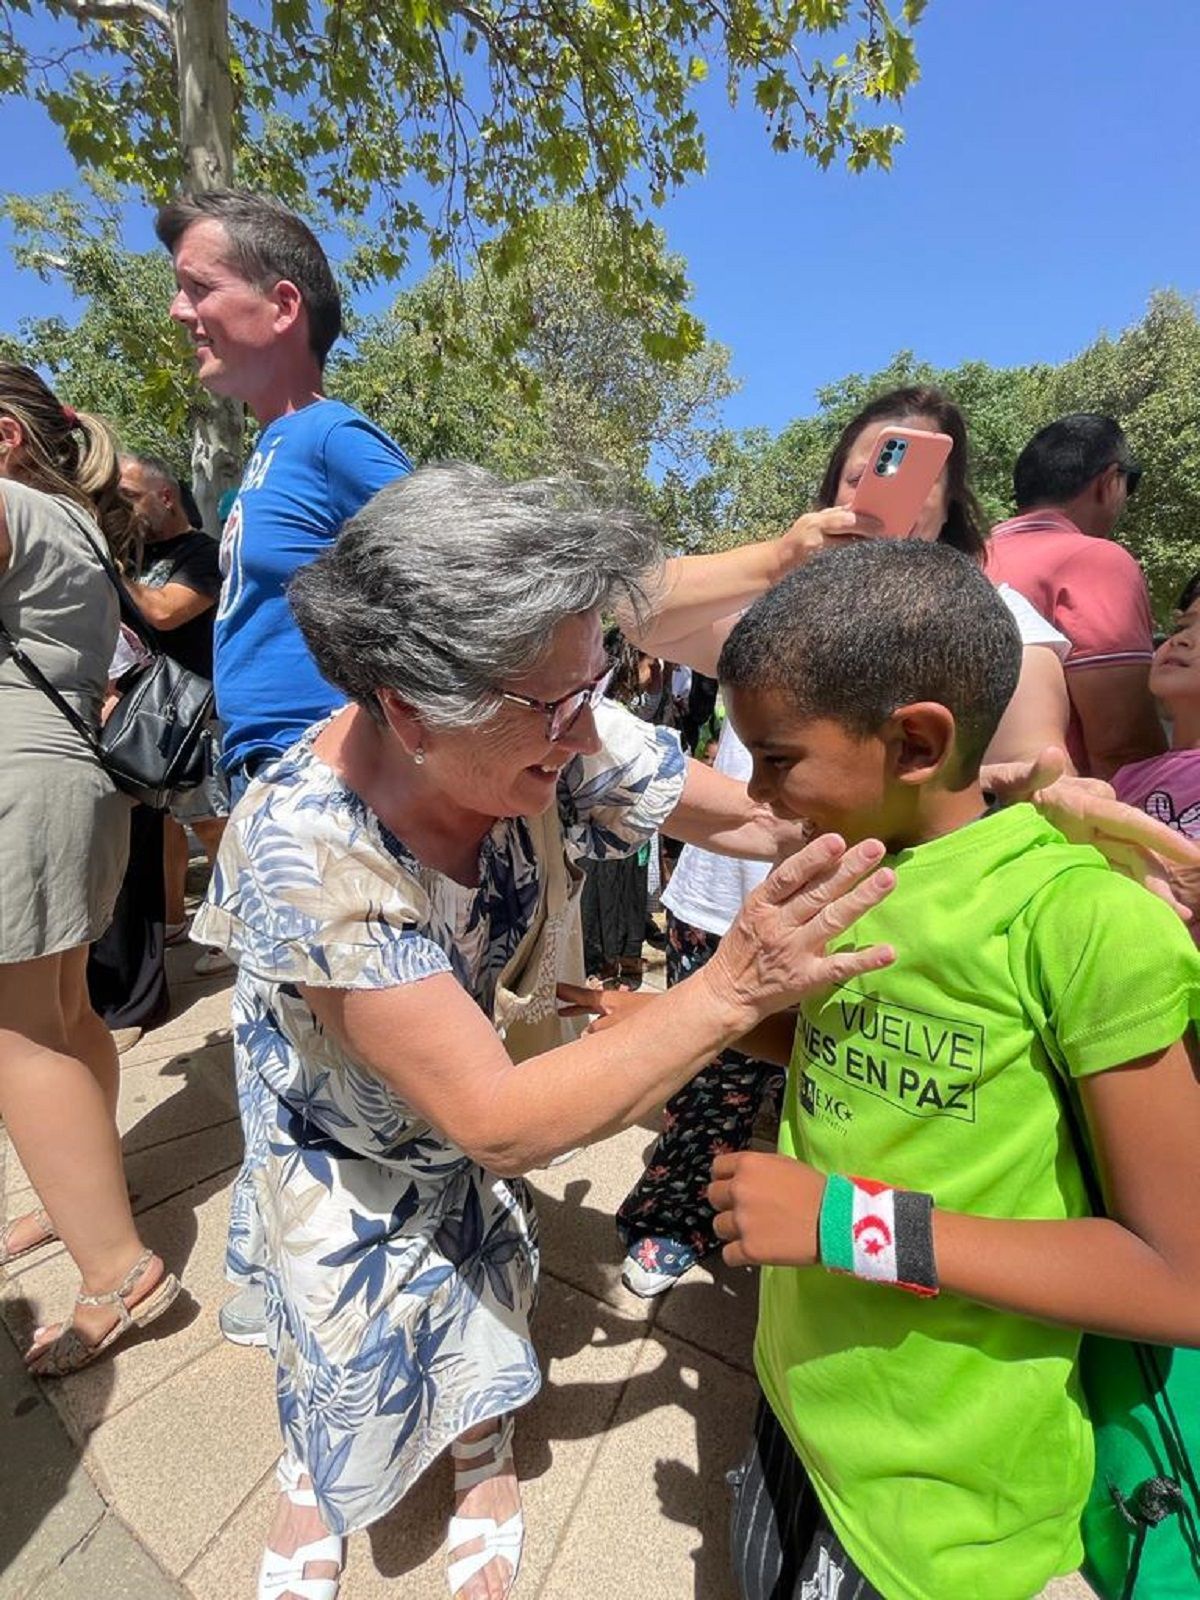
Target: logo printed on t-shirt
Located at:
point(1159, 804)
point(923, 1064)
point(231, 534)
point(819, 1102)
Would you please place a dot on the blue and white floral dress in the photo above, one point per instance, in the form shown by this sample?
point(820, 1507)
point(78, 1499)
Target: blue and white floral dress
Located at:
point(400, 1275)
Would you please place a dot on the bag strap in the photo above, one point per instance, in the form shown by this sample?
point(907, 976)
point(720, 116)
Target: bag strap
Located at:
point(39, 681)
point(131, 616)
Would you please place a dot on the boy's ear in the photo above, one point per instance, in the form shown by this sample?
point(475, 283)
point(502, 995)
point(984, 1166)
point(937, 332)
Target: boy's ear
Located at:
point(920, 741)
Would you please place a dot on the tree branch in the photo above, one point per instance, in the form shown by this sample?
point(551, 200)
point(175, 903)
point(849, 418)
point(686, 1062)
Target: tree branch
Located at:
point(118, 11)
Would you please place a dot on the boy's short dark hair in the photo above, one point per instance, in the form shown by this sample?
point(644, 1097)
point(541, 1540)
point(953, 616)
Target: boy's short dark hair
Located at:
point(1062, 459)
point(857, 632)
point(267, 243)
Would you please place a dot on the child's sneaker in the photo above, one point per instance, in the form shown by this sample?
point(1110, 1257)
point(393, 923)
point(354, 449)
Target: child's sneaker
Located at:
point(654, 1264)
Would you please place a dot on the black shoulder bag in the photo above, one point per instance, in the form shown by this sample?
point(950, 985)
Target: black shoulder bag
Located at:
point(154, 744)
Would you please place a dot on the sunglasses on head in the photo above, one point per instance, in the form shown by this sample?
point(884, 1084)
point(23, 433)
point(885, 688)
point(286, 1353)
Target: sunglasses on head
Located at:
point(1131, 474)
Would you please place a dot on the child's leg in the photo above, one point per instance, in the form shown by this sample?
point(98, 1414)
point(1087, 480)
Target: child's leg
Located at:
point(783, 1546)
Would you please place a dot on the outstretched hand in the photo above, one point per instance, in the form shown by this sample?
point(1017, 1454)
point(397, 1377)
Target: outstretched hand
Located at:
point(1087, 812)
point(775, 950)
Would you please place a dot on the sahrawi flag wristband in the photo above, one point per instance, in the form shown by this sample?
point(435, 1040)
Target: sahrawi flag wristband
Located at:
point(875, 1232)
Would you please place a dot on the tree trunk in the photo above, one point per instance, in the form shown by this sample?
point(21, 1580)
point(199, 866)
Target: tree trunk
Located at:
point(206, 142)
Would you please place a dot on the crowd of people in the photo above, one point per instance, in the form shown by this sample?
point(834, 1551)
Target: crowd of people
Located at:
point(932, 901)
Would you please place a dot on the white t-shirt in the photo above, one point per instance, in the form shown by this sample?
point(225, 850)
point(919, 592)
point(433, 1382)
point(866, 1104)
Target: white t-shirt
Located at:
point(706, 889)
point(1033, 625)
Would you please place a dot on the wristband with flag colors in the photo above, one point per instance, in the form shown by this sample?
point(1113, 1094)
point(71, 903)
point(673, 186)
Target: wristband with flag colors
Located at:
point(878, 1233)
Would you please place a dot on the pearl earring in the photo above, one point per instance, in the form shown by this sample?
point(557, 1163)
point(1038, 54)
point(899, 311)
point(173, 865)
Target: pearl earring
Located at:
point(419, 755)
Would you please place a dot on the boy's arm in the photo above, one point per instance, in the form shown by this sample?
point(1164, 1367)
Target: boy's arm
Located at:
point(1133, 1275)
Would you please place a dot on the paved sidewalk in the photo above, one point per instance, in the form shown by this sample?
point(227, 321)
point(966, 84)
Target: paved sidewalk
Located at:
point(150, 1476)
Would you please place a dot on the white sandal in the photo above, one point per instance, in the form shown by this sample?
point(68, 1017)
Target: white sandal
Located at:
point(504, 1539)
point(279, 1575)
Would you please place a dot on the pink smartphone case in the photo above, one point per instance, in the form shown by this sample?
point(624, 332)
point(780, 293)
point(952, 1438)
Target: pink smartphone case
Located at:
point(912, 463)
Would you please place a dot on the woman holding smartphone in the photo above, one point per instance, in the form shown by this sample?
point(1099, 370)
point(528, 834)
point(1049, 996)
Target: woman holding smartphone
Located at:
point(666, 1221)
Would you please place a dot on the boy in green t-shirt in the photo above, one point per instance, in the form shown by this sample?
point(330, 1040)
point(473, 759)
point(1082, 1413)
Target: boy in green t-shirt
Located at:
point(933, 1445)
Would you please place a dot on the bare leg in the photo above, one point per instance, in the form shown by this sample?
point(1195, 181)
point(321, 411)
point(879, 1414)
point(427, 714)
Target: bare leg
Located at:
point(87, 1036)
point(209, 831)
point(293, 1526)
point(175, 865)
point(59, 1114)
point(498, 1497)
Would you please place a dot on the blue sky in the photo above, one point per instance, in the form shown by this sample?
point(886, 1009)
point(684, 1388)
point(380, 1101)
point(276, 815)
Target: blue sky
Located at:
point(1047, 185)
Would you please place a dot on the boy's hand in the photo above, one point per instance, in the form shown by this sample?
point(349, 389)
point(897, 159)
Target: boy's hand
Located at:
point(767, 1209)
point(606, 1007)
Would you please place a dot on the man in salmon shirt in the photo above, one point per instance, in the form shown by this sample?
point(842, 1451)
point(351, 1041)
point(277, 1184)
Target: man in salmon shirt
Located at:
point(1071, 483)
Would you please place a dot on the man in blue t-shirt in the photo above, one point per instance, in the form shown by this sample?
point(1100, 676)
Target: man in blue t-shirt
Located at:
point(258, 299)
point(259, 302)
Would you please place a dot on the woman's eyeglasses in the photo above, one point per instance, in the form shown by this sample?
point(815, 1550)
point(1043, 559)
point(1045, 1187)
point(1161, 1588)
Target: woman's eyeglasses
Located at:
point(562, 715)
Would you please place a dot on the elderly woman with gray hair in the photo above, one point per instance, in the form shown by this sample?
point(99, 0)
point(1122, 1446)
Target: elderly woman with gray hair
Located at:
point(398, 890)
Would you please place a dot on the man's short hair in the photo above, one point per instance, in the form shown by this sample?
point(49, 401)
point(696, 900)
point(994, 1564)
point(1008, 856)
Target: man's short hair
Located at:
point(1189, 594)
point(163, 472)
point(1062, 459)
point(856, 633)
point(267, 243)
point(154, 466)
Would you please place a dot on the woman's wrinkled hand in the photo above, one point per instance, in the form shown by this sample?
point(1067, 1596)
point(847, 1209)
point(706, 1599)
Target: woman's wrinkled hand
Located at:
point(819, 530)
point(774, 952)
point(767, 1208)
point(1086, 811)
point(606, 1007)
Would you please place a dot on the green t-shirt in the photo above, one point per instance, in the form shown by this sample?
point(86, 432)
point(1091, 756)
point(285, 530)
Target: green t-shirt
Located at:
point(947, 1441)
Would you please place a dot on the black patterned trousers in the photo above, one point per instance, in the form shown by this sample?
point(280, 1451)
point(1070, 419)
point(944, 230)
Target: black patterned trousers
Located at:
point(714, 1112)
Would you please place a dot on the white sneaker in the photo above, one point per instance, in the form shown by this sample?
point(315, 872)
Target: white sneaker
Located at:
point(243, 1317)
point(656, 1264)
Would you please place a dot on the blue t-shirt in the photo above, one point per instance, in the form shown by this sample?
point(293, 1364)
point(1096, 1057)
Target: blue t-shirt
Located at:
point(311, 470)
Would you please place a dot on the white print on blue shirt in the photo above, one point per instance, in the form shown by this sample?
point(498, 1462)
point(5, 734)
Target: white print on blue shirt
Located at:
point(232, 574)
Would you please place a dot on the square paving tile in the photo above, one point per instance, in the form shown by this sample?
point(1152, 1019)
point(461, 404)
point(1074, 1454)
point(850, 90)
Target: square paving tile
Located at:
point(110, 1566)
point(50, 1503)
point(716, 1308)
point(654, 1513)
point(181, 1459)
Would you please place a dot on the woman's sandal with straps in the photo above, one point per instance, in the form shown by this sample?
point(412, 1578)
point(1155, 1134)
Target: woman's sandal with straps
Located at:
point(500, 1539)
point(279, 1575)
point(70, 1351)
point(46, 1235)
